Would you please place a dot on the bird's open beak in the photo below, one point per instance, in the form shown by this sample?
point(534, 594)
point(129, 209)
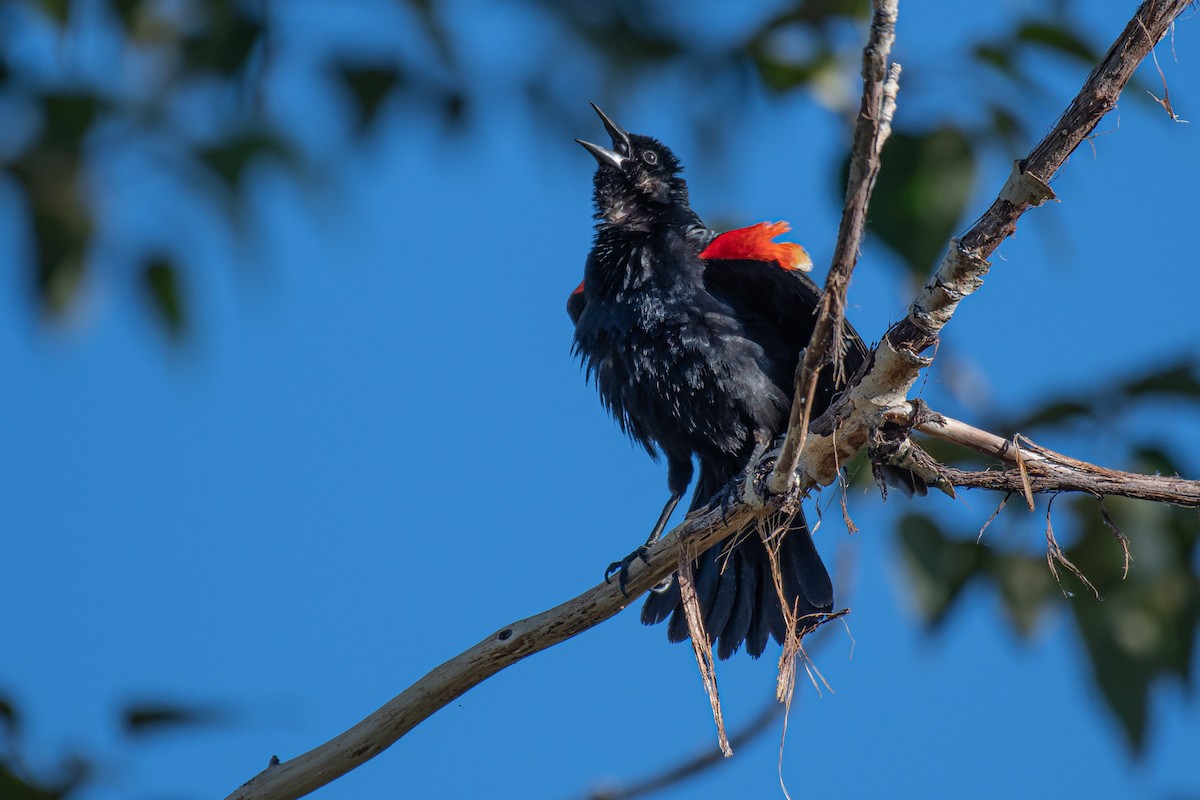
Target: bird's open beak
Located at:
point(620, 139)
point(604, 157)
point(620, 142)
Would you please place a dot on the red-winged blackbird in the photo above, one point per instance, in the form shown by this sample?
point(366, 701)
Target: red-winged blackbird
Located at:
point(693, 340)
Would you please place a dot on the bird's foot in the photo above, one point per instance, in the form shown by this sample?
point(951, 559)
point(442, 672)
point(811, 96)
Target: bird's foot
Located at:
point(729, 495)
point(621, 568)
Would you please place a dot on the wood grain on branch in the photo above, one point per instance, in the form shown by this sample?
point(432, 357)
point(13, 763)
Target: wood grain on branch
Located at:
point(1039, 469)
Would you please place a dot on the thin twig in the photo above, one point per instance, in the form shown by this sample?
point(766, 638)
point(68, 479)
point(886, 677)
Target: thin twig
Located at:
point(709, 758)
point(1028, 187)
point(1038, 470)
point(896, 362)
point(1055, 557)
point(880, 84)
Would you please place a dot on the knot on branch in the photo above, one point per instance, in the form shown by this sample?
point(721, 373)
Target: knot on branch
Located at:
point(897, 461)
point(1024, 189)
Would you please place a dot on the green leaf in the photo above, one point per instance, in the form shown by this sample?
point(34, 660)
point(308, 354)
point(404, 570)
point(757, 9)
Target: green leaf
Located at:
point(126, 10)
point(10, 720)
point(1057, 38)
point(940, 567)
point(1180, 380)
point(229, 159)
point(1057, 412)
point(224, 39)
point(923, 188)
point(139, 719)
point(1006, 126)
point(161, 285)
point(1144, 630)
point(62, 225)
point(15, 787)
point(784, 76)
point(16, 783)
point(1026, 587)
point(994, 56)
point(369, 87)
point(67, 118)
point(60, 260)
point(623, 35)
point(1154, 460)
point(57, 10)
point(819, 13)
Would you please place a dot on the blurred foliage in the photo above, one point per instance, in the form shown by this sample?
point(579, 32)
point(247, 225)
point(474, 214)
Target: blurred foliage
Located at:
point(157, 57)
point(74, 775)
point(191, 83)
point(161, 282)
point(147, 718)
point(1138, 630)
point(920, 197)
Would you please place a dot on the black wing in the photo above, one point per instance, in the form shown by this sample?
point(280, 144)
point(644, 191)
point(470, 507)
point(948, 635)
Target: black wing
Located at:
point(778, 307)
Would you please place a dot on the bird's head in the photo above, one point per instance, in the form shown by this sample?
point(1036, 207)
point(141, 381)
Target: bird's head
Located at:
point(637, 181)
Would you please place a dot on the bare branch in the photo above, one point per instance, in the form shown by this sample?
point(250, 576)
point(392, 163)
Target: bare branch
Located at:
point(707, 759)
point(1028, 186)
point(896, 361)
point(882, 386)
point(1043, 470)
point(383, 727)
point(874, 123)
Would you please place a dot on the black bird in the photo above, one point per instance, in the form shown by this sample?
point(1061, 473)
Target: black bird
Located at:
point(692, 339)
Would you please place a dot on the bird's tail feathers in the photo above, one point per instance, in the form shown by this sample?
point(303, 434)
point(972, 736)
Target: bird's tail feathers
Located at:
point(738, 594)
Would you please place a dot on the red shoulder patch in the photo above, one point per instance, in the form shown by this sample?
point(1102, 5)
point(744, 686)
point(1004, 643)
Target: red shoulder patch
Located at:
point(754, 244)
point(575, 303)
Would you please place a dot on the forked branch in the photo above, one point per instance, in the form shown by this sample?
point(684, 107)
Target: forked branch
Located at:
point(831, 440)
point(1036, 469)
point(846, 426)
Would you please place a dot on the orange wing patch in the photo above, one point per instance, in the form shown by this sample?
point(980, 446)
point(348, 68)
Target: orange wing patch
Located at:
point(754, 244)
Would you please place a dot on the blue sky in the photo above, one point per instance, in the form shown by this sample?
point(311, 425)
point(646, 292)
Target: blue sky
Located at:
point(376, 449)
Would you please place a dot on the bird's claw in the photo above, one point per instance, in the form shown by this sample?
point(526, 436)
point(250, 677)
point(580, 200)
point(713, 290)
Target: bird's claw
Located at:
point(621, 568)
point(729, 496)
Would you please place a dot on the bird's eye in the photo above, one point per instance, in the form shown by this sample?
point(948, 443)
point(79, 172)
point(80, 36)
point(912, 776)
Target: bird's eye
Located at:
point(650, 157)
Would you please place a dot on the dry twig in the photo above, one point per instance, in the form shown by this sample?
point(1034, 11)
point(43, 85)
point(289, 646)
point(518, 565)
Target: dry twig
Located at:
point(1038, 470)
point(874, 123)
point(896, 362)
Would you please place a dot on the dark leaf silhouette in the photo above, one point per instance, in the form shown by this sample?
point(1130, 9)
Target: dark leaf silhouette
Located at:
point(141, 719)
point(161, 282)
point(921, 194)
point(1058, 38)
point(369, 86)
point(939, 566)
